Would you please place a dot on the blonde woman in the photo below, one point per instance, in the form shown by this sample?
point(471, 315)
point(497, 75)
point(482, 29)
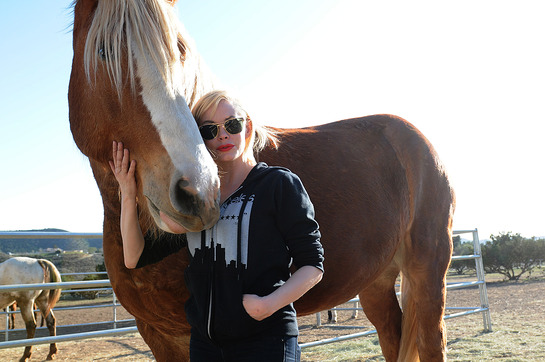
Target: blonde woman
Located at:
point(242, 292)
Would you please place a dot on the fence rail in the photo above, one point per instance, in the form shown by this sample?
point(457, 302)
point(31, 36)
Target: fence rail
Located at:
point(480, 282)
point(93, 284)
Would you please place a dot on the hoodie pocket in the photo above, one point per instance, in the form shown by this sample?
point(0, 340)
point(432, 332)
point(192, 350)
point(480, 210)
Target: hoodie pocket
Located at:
point(197, 307)
point(230, 319)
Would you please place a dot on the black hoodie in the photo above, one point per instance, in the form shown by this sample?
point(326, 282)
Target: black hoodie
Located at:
point(264, 226)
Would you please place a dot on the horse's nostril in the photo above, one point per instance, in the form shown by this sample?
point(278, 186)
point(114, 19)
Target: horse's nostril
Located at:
point(183, 183)
point(185, 199)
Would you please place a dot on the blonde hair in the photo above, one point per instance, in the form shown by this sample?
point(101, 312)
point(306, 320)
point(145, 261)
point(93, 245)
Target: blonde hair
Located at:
point(149, 27)
point(151, 23)
point(261, 137)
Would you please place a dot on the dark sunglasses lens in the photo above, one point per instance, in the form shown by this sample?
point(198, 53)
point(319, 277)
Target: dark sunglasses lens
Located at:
point(234, 125)
point(209, 131)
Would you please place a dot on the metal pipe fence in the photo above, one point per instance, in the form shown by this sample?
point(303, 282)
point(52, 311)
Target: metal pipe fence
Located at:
point(68, 287)
point(464, 311)
point(98, 286)
point(104, 285)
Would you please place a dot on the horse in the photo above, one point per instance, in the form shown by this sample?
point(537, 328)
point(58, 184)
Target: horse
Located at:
point(381, 195)
point(11, 318)
point(332, 313)
point(23, 270)
point(13, 308)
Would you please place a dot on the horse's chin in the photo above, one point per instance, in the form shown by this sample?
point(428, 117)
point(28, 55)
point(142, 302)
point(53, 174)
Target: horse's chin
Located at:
point(170, 225)
point(181, 223)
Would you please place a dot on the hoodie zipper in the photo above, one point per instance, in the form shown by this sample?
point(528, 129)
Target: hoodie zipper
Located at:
point(211, 294)
point(213, 247)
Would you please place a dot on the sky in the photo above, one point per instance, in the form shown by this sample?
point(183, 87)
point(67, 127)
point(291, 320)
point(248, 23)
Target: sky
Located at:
point(469, 74)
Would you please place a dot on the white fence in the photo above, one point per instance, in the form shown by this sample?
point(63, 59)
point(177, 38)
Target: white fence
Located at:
point(93, 284)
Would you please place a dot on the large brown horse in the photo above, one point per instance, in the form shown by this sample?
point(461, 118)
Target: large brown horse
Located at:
point(381, 195)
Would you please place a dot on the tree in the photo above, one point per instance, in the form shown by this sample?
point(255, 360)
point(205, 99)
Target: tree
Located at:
point(467, 248)
point(511, 255)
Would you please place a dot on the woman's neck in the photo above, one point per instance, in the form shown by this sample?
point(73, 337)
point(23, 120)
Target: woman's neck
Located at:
point(232, 175)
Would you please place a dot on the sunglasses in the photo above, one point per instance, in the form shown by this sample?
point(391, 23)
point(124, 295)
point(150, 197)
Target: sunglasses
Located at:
point(232, 126)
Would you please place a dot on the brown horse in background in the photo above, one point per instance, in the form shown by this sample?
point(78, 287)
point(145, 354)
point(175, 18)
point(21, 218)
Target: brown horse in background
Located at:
point(13, 309)
point(382, 197)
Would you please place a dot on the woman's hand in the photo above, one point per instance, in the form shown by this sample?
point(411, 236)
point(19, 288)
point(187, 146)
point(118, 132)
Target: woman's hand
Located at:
point(256, 306)
point(131, 235)
point(123, 170)
point(298, 284)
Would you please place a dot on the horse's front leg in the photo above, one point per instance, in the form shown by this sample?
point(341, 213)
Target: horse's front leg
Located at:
point(30, 325)
point(165, 345)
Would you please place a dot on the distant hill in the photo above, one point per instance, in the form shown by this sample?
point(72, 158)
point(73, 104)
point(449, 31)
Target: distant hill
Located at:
point(32, 245)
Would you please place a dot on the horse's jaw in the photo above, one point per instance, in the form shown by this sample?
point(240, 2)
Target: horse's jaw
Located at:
point(178, 223)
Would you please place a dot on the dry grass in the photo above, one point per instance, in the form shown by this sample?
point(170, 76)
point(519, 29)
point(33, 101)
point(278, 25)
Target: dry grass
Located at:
point(518, 334)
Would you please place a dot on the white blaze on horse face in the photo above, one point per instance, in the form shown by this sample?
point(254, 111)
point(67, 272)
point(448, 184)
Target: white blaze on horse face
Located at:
point(196, 171)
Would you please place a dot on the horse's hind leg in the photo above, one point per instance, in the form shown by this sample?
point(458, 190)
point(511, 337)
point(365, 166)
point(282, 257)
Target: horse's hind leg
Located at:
point(424, 291)
point(51, 323)
point(381, 307)
point(12, 308)
point(28, 317)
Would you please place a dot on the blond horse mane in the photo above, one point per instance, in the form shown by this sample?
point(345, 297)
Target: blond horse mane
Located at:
point(151, 26)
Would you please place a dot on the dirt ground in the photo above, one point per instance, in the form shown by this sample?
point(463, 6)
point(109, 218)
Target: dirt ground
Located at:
point(512, 303)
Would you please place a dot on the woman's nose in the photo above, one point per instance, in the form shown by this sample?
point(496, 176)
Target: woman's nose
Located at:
point(222, 132)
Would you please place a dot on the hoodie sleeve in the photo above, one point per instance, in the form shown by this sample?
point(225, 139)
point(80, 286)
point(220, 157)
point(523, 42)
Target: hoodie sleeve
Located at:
point(157, 248)
point(295, 220)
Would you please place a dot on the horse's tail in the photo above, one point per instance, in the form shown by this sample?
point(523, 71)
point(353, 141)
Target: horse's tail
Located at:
point(51, 275)
point(408, 351)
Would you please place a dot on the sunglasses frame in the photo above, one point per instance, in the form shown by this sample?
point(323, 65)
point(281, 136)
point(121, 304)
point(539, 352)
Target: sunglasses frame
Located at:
point(215, 133)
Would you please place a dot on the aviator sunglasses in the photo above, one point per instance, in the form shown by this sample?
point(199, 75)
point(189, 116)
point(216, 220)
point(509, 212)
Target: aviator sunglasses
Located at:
point(232, 126)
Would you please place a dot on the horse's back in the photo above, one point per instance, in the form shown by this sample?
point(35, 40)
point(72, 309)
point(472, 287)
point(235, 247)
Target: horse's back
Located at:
point(21, 270)
point(381, 161)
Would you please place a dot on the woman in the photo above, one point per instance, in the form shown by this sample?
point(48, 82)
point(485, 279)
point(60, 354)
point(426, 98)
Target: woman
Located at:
point(241, 288)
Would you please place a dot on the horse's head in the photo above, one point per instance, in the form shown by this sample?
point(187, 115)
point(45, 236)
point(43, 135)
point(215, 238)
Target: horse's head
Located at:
point(130, 82)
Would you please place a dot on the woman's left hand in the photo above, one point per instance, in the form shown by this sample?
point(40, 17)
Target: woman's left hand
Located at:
point(256, 306)
point(298, 284)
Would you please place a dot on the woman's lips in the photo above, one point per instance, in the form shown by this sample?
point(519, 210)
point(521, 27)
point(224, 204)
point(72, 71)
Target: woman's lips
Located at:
point(225, 148)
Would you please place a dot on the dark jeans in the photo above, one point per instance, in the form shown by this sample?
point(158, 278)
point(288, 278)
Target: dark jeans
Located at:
point(261, 349)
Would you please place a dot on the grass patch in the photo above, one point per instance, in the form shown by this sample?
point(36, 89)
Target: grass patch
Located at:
point(351, 350)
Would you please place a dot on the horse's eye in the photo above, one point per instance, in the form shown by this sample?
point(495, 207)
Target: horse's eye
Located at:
point(102, 53)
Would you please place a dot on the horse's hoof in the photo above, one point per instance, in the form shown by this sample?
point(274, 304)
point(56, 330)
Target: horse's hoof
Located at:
point(51, 357)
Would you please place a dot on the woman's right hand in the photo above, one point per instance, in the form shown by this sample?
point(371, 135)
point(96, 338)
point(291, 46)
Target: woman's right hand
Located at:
point(131, 234)
point(123, 169)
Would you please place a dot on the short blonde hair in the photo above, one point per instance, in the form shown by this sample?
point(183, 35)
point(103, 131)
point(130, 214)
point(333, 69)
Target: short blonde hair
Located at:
point(261, 135)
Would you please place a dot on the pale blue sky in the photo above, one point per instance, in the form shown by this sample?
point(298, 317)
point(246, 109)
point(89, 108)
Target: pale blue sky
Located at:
point(468, 74)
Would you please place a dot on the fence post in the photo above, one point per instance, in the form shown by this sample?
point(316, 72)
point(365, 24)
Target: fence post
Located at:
point(115, 309)
point(7, 323)
point(479, 267)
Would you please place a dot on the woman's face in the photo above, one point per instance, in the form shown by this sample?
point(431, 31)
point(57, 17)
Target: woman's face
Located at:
point(225, 146)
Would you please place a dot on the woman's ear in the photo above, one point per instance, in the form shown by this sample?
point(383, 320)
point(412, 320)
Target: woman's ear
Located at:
point(249, 126)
